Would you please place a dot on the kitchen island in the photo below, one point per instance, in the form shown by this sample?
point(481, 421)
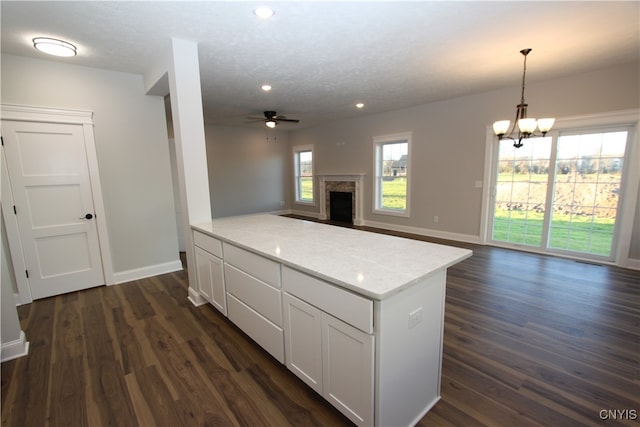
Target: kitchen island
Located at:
point(357, 316)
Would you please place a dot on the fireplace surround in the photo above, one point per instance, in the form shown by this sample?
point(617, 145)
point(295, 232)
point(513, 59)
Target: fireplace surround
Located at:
point(351, 183)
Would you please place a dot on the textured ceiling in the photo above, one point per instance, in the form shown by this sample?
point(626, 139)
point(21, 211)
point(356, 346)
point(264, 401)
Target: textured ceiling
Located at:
point(322, 57)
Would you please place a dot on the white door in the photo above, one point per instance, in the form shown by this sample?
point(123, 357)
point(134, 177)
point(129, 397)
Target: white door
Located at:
point(48, 170)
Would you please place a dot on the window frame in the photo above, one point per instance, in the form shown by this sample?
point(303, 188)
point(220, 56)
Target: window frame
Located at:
point(629, 190)
point(378, 143)
point(297, 187)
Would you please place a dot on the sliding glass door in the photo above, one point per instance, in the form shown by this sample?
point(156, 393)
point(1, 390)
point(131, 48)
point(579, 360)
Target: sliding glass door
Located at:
point(521, 192)
point(561, 193)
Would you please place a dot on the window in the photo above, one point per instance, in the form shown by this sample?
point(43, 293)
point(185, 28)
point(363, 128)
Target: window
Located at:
point(563, 193)
point(392, 168)
point(303, 167)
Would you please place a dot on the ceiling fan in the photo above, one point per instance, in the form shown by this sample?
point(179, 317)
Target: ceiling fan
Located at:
point(271, 119)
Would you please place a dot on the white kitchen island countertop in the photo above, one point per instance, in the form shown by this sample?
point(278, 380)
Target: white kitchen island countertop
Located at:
point(371, 264)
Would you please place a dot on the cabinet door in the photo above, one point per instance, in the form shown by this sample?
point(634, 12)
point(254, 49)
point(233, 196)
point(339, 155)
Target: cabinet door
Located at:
point(210, 277)
point(348, 355)
point(303, 341)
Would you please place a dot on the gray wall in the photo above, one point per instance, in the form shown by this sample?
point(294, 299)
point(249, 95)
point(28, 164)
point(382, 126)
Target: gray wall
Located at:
point(131, 142)
point(248, 170)
point(450, 135)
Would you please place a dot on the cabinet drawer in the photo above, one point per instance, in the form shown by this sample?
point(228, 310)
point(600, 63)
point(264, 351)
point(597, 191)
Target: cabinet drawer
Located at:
point(264, 269)
point(208, 243)
point(262, 331)
point(263, 298)
point(346, 306)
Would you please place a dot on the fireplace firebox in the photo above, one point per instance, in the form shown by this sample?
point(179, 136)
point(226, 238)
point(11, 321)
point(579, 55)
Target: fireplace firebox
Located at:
point(341, 206)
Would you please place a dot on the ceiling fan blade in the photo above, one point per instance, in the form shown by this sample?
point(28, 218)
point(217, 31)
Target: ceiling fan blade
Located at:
point(280, 119)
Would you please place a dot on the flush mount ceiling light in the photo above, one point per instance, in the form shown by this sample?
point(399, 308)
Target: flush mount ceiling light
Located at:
point(264, 12)
point(266, 88)
point(360, 105)
point(526, 125)
point(54, 47)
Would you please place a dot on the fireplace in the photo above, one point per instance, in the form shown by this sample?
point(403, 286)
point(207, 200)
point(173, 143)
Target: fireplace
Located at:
point(341, 206)
point(345, 183)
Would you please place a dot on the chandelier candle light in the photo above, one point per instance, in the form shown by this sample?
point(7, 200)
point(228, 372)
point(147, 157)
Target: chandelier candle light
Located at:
point(526, 125)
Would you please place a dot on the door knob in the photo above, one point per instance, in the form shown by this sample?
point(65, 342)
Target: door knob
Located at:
point(87, 216)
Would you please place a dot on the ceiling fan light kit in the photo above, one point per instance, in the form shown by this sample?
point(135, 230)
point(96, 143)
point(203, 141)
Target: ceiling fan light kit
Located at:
point(526, 125)
point(271, 119)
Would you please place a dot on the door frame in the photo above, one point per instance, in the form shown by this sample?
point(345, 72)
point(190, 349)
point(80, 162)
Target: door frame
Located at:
point(627, 206)
point(50, 115)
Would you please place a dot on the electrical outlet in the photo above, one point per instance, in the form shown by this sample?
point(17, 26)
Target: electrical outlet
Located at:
point(415, 317)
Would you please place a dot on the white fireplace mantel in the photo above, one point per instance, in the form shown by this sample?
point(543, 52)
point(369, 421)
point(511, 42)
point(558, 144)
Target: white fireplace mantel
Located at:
point(357, 178)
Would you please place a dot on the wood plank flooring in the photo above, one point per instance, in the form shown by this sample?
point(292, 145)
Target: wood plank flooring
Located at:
point(529, 340)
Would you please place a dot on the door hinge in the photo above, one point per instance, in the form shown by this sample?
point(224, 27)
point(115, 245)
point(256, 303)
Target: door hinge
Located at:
point(27, 273)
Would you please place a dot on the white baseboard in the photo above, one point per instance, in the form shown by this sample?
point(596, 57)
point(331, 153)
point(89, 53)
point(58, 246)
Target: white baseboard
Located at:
point(633, 263)
point(14, 349)
point(468, 238)
point(141, 273)
point(314, 215)
point(195, 298)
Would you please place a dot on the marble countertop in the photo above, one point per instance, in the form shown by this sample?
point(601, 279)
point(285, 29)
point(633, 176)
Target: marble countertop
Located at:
point(371, 264)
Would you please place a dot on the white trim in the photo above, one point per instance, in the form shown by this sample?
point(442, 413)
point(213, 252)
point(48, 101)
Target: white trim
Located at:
point(488, 189)
point(633, 263)
point(378, 142)
point(98, 204)
point(195, 298)
point(296, 150)
point(629, 202)
point(149, 271)
point(438, 234)
point(313, 215)
point(50, 115)
point(13, 237)
point(356, 178)
point(25, 113)
point(14, 349)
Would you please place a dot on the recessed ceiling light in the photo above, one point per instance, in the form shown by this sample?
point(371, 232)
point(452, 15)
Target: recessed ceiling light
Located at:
point(359, 105)
point(264, 12)
point(266, 88)
point(54, 46)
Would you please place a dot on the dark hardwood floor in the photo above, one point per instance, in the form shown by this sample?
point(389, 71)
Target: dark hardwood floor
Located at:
point(529, 340)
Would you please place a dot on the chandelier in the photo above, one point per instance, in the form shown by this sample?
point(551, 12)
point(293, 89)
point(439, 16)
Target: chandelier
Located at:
point(526, 125)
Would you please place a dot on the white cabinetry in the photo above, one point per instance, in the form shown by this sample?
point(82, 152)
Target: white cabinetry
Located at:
point(334, 358)
point(303, 341)
point(254, 298)
point(347, 369)
point(323, 300)
point(209, 271)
